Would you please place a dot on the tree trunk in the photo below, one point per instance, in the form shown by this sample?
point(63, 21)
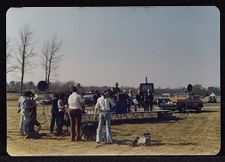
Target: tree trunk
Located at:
point(46, 68)
point(22, 71)
point(49, 70)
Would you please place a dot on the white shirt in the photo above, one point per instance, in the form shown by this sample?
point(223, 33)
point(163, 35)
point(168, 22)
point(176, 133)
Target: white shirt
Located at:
point(20, 102)
point(103, 104)
point(60, 105)
point(75, 101)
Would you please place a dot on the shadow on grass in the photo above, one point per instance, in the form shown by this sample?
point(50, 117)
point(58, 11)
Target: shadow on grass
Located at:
point(57, 138)
point(145, 120)
point(204, 111)
point(182, 143)
point(122, 142)
point(153, 143)
point(157, 143)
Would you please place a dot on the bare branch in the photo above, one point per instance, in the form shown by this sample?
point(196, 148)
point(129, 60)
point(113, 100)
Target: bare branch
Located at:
point(51, 57)
point(25, 52)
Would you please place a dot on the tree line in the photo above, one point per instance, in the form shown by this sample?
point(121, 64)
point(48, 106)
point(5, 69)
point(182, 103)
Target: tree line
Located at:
point(57, 86)
point(21, 58)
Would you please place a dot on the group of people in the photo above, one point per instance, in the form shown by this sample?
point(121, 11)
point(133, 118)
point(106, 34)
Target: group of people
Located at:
point(67, 113)
point(138, 100)
point(28, 115)
point(145, 100)
point(73, 109)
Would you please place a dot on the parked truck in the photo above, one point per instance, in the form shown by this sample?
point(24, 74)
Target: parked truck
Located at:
point(186, 101)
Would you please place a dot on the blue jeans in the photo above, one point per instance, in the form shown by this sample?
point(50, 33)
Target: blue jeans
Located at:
point(104, 116)
point(21, 124)
point(28, 125)
point(54, 120)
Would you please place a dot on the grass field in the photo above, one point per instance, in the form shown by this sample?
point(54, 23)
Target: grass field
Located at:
point(195, 134)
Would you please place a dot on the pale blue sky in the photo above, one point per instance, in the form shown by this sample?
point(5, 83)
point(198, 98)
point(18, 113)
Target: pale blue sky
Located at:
point(172, 46)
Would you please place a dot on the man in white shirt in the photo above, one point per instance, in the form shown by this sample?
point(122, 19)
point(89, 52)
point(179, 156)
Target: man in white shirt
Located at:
point(103, 106)
point(21, 106)
point(76, 104)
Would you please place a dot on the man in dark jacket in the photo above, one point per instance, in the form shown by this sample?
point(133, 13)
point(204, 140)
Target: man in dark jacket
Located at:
point(96, 96)
point(54, 112)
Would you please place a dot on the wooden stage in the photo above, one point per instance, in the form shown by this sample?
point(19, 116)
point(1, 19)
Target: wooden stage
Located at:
point(158, 114)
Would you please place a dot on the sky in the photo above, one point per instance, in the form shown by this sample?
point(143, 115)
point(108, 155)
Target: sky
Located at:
point(172, 46)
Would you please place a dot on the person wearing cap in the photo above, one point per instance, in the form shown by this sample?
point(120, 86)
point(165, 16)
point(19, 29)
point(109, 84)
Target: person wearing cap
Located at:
point(76, 104)
point(103, 107)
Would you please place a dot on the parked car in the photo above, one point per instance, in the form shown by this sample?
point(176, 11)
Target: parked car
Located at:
point(89, 100)
point(166, 104)
point(178, 96)
point(165, 96)
point(47, 101)
point(212, 98)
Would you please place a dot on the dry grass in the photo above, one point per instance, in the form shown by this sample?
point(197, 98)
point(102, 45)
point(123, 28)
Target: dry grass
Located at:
point(195, 134)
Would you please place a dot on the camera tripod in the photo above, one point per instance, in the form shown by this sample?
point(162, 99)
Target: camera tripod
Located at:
point(43, 117)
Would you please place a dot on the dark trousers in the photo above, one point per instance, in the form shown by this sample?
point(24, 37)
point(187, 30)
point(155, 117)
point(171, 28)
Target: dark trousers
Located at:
point(75, 122)
point(54, 120)
point(151, 105)
point(146, 107)
point(60, 122)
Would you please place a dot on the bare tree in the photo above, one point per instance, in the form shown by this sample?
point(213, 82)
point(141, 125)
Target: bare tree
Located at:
point(25, 52)
point(51, 57)
point(45, 55)
point(9, 57)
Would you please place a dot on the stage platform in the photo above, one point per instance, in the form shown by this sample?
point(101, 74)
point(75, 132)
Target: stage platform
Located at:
point(158, 114)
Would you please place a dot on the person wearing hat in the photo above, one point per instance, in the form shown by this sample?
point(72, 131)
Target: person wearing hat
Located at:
point(103, 107)
point(76, 104)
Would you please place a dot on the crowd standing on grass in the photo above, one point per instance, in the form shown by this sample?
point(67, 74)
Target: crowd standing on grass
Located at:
point(70, 113)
